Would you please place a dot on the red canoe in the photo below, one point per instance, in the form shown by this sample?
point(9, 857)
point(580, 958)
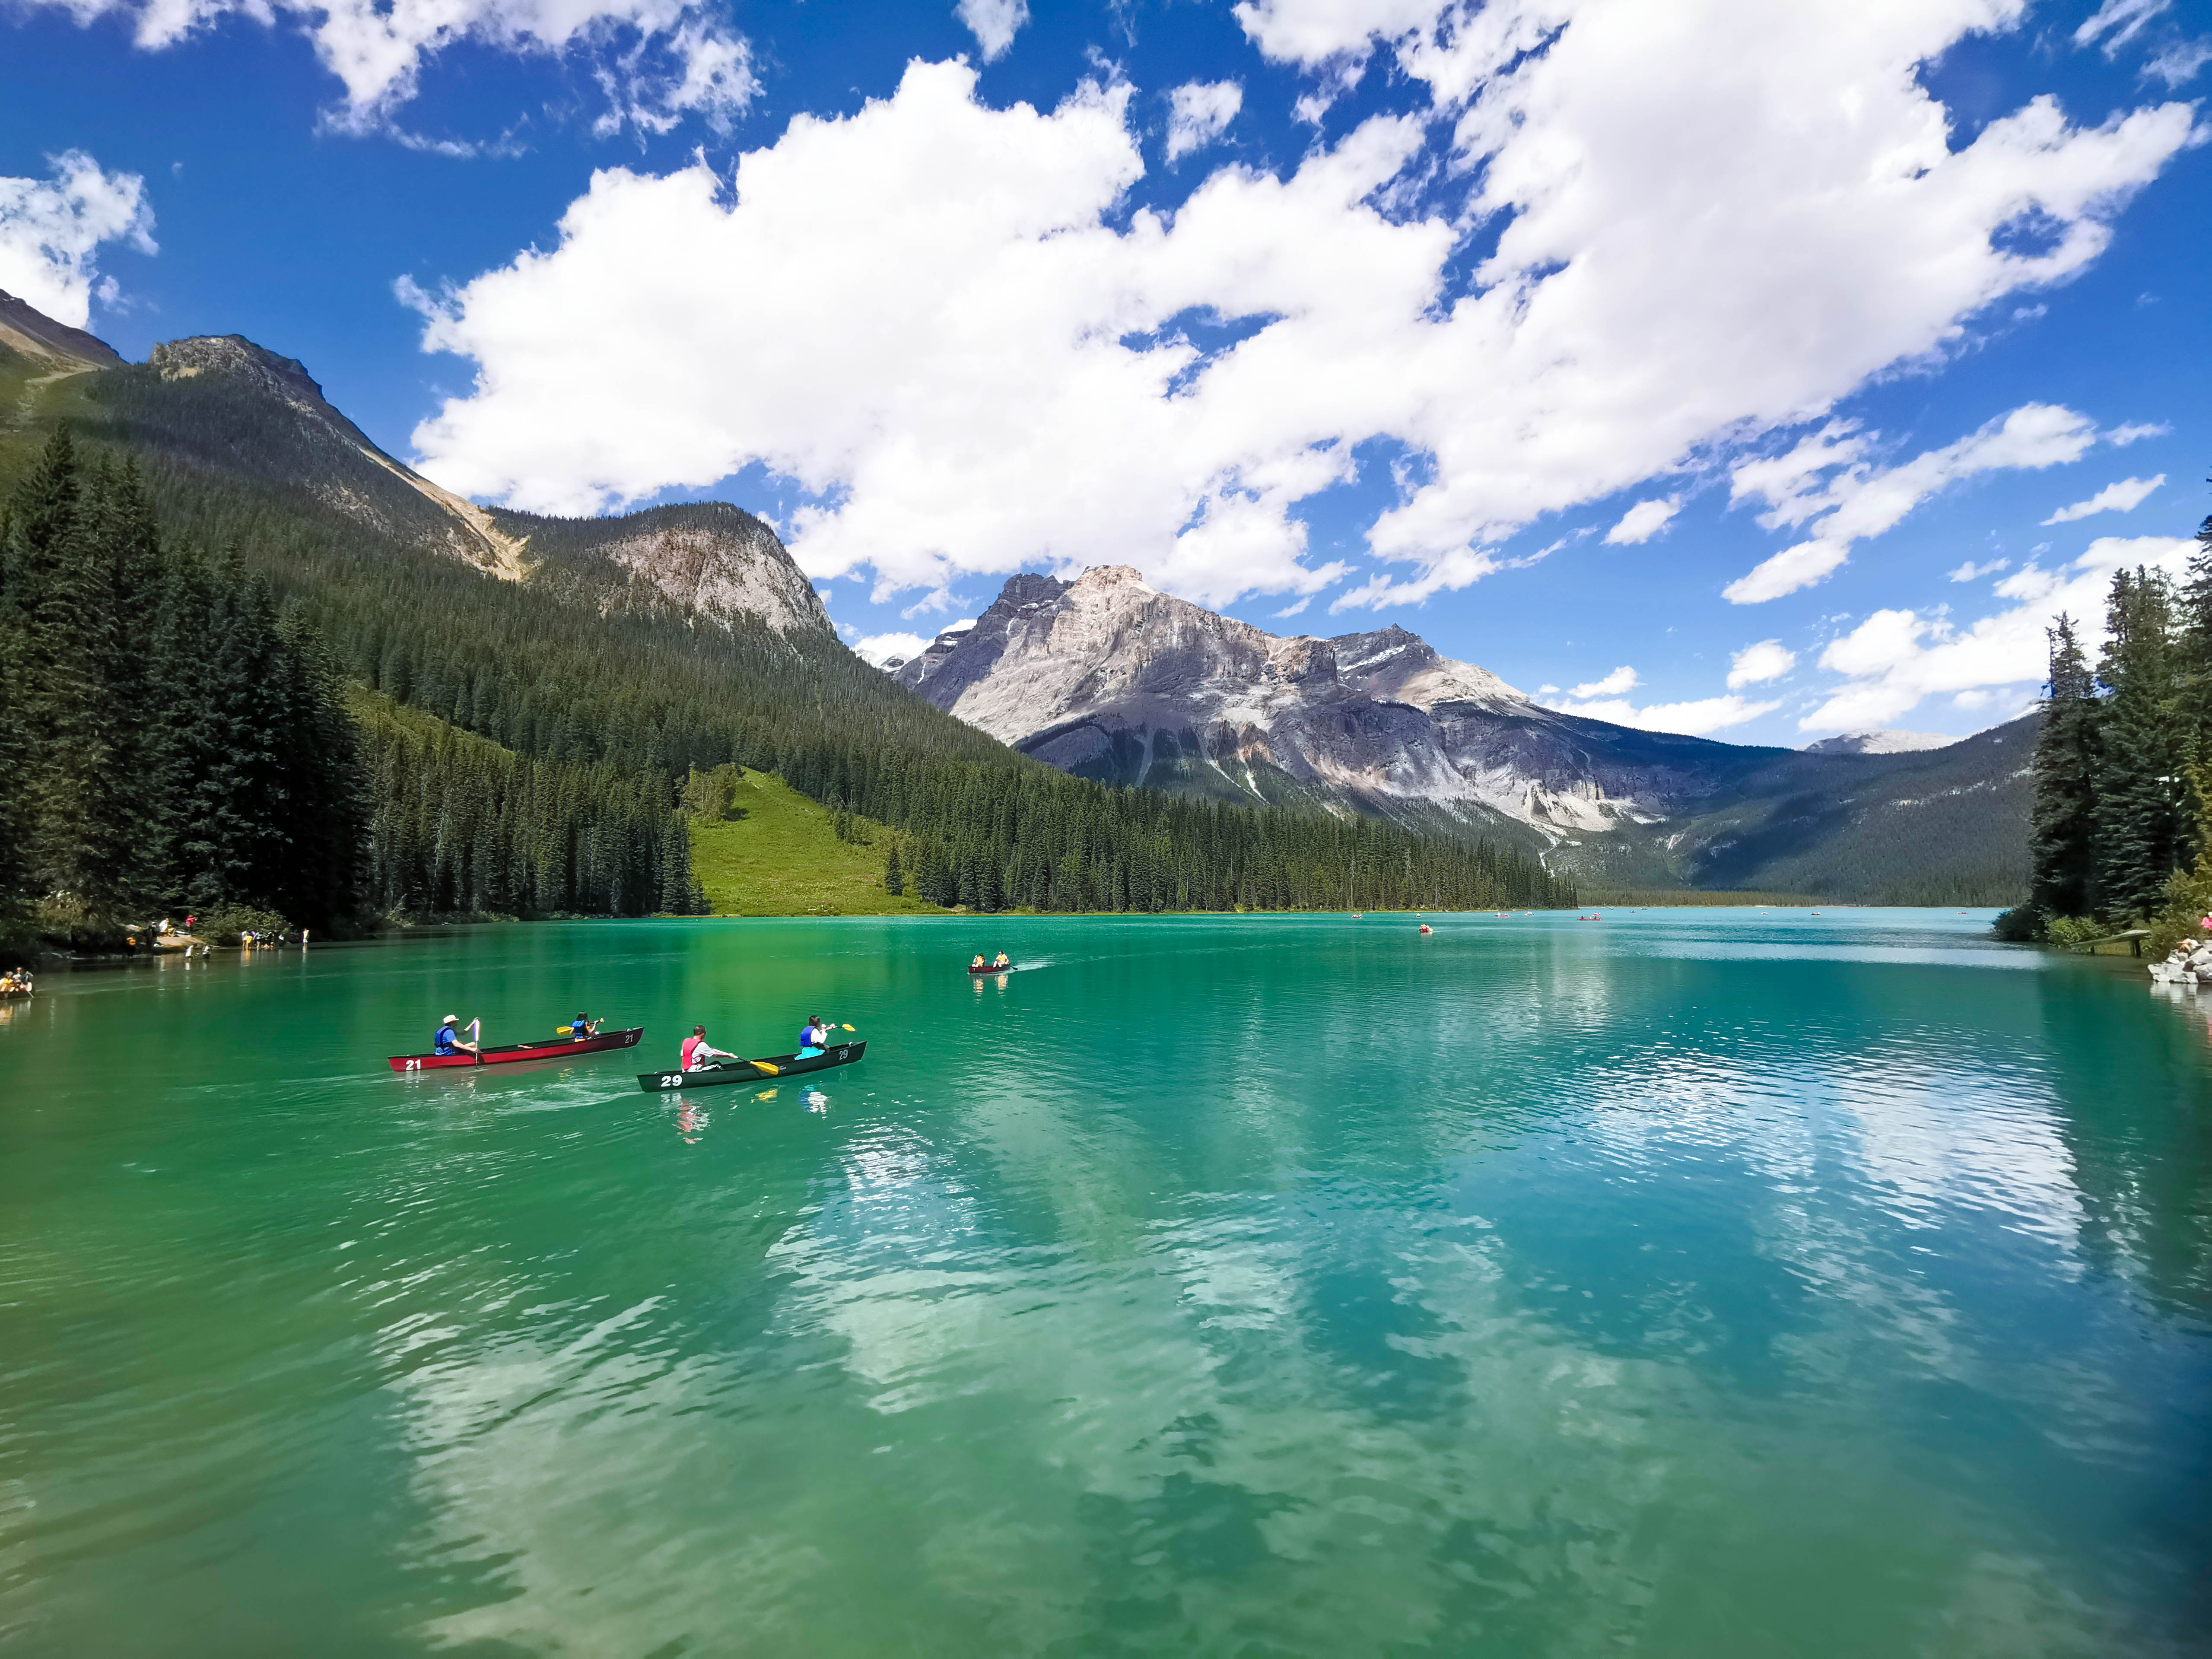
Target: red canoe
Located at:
point(515, 1053)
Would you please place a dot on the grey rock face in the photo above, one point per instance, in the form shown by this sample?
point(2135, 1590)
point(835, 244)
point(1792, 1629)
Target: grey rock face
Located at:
point(709, 557)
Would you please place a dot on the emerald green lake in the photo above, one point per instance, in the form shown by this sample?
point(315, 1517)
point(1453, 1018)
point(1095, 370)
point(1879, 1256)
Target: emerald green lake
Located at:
point(1696, 1283)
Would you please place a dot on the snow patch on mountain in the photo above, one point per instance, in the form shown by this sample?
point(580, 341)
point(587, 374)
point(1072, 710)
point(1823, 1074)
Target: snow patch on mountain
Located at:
point(1879, 743)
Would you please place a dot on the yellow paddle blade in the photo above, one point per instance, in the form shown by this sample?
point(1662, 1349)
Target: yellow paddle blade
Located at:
point(848, 1028)
point(773, 1071)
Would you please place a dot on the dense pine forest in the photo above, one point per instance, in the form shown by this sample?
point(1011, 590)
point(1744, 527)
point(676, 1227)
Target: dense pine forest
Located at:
point(167, 740)
point(2122, 829)
point(309, 722)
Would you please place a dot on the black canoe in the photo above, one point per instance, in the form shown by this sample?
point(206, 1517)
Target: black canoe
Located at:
point(748, 1071)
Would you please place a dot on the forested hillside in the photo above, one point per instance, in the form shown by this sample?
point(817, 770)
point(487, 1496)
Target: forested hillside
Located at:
point(594, 690)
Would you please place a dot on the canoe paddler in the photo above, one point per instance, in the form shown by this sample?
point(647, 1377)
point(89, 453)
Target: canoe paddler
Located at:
point(448, 1040)
point(699, 1053)
point(1004, 961)
point(979, 962)
point(813, 1039)
point(583, 1026)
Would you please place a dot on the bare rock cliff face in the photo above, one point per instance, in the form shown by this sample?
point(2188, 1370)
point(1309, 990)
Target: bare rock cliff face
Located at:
point(708, 558)
point(1109, 678)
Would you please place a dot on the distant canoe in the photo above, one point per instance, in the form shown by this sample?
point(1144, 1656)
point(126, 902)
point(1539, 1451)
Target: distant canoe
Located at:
point(515, 1054)
point(752, 1071)
point(1426, 929)
point(1008, 969)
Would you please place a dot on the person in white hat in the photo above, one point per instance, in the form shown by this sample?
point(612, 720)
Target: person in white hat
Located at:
point(448, 1040)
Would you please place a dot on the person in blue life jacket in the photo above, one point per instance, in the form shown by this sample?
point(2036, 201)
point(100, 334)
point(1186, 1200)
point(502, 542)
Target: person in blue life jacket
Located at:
point(813, 1039)
point(448, 1040)
point(583, 1026)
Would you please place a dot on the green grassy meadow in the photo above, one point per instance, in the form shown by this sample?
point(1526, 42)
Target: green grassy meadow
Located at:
point(783, 858)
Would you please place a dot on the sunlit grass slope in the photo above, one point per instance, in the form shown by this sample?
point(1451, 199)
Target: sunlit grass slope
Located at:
point(783, 858)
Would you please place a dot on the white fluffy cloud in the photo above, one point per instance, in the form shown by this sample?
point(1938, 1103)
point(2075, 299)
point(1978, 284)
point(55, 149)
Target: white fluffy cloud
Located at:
point(1200, 111)
point(1693, 720)
point(880, 648)
point(994, 23)
point(1755, 665)
point(51, 229)
point(1826, 480)
point(658, 60)
point(2122, 497)
point(1644, 520)
point(1895, 659)
point(1621, 680)
point(1717, 218)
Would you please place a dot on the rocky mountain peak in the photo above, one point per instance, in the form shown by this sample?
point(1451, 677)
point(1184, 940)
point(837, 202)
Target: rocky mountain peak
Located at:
point(1024, 591)
point(1107, 576)
point(238, 358)
point(1394, 665)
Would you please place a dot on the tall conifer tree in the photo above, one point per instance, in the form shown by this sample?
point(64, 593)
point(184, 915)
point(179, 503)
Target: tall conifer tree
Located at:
point(2140, 795)
point(2063, 829)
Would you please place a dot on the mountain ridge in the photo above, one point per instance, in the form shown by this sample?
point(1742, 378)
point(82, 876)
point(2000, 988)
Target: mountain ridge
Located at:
point(1105, 677)
point(205, 402)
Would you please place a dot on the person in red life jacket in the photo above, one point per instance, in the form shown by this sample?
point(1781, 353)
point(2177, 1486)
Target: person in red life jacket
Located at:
point(698, 1053)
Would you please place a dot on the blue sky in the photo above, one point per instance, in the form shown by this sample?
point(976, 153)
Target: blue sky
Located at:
point(1724, 367)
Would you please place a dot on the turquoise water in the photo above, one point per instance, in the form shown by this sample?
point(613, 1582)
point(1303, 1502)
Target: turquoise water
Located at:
point(1698, 1283)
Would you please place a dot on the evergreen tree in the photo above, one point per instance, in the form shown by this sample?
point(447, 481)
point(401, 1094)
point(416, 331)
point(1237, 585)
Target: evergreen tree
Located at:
point(163, 742)
point(2061, 834)
point(2140, 792)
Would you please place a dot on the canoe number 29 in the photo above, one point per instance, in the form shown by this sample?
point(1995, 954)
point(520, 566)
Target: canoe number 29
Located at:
point(671, 1080)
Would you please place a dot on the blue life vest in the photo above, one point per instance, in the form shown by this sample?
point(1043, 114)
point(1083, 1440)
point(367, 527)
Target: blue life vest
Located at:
point(581, 1028)
point(443, 1043)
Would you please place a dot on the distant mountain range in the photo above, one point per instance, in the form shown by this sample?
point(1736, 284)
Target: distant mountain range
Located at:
point(1102, 675)
point(1106, 677)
